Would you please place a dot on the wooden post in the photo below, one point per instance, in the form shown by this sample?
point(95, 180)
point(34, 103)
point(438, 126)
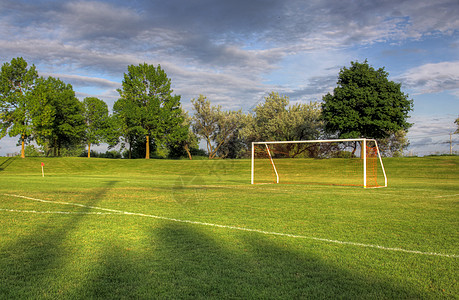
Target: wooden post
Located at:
point(22, 147)
point(147, 155)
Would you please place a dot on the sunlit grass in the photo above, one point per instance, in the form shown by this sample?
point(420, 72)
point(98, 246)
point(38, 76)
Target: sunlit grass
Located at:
point(93, 250)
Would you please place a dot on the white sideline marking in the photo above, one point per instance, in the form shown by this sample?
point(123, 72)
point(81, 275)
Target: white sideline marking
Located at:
point(57, 212)
point(446, 196)
point(244, 229)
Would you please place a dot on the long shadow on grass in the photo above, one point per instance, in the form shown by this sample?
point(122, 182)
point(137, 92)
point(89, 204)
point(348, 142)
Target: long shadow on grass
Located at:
point(186, 263)
point(31, 265)
point(6, 163)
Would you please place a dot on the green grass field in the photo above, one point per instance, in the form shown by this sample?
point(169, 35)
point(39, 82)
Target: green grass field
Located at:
point(97, 228)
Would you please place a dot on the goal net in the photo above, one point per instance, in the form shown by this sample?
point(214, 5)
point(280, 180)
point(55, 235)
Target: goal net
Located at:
point(353, 162)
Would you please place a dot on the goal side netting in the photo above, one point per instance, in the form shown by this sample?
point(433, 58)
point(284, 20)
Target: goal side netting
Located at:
point(349, 162)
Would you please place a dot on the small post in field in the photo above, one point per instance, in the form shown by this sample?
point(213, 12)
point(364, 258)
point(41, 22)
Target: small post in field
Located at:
point(42, 169)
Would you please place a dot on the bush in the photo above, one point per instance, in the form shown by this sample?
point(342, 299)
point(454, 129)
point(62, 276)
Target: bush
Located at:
point(31, 150)
point(108, 154)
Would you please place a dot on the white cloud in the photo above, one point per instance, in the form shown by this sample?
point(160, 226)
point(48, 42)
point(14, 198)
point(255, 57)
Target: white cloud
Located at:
point(95, 20)
point(430, 134)
point(432, 125)
point(220, 88)
point(432, 78)
point(431, 17)
point(84, 80)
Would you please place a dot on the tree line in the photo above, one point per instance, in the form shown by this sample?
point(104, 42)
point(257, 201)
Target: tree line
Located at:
point(148, 119)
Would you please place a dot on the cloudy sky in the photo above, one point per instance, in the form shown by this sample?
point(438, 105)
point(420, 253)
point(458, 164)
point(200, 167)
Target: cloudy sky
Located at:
point(236, 51)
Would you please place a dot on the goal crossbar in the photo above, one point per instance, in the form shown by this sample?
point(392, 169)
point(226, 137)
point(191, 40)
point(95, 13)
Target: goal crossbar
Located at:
point(364, 142)
point(313, 141)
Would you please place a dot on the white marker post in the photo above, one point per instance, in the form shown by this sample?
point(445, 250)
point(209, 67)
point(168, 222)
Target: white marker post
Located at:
point(42, 169)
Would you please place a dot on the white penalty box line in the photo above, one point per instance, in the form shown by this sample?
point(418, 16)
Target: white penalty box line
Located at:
point(120, 212)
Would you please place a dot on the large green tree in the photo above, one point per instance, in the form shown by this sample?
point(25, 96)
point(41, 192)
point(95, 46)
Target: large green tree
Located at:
point(95, 112)
point(158, 117)
point(44, 112)
point(126, 124)
point(59, 122)
point(17, 82)
point(365, 104)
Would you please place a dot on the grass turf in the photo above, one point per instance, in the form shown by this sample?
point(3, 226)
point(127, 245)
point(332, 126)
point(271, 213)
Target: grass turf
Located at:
point(57, 250)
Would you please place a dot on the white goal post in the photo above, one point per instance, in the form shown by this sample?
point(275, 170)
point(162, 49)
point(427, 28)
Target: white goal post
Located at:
point(291, 158)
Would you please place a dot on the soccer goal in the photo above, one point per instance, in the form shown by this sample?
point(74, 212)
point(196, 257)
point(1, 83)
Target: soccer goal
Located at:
point(354, 162)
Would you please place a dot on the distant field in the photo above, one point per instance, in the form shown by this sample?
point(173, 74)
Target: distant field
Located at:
point(99, 228)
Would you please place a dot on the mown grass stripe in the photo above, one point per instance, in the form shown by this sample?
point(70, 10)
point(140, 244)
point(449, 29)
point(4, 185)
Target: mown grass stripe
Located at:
point(244, 229)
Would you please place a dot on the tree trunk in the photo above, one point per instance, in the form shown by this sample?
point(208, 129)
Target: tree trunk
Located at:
point(210, 150)
point(89, 150)
point(130, 151)
point(147, 155)
point(55, 148)
point(354, 149)
point(188, 151)
point(22, 147)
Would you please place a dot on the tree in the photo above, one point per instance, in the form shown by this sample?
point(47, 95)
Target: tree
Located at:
point(59, 122)
point(235, 147)
point(227, 132)
point(192, 141)
point(276, 120)
point(126, 122)
point(95, 112)
point(457, 123)
point(269, 120)
point(44, 112)
point(186, 144)
point(365, 104)
point(215, 126)
point(394, 145)
point(17, 83)
point(157, 113)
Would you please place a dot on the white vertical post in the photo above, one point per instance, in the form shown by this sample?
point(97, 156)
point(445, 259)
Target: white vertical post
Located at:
point(364, 153)
point(253, 161)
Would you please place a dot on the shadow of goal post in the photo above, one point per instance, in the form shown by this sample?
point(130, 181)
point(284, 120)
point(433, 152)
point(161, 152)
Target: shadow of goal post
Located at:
point(369, 157)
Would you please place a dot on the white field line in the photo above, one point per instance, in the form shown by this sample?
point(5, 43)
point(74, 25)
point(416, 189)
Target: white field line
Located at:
point(446, 196)
point(57, 212)
point(244, 229)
